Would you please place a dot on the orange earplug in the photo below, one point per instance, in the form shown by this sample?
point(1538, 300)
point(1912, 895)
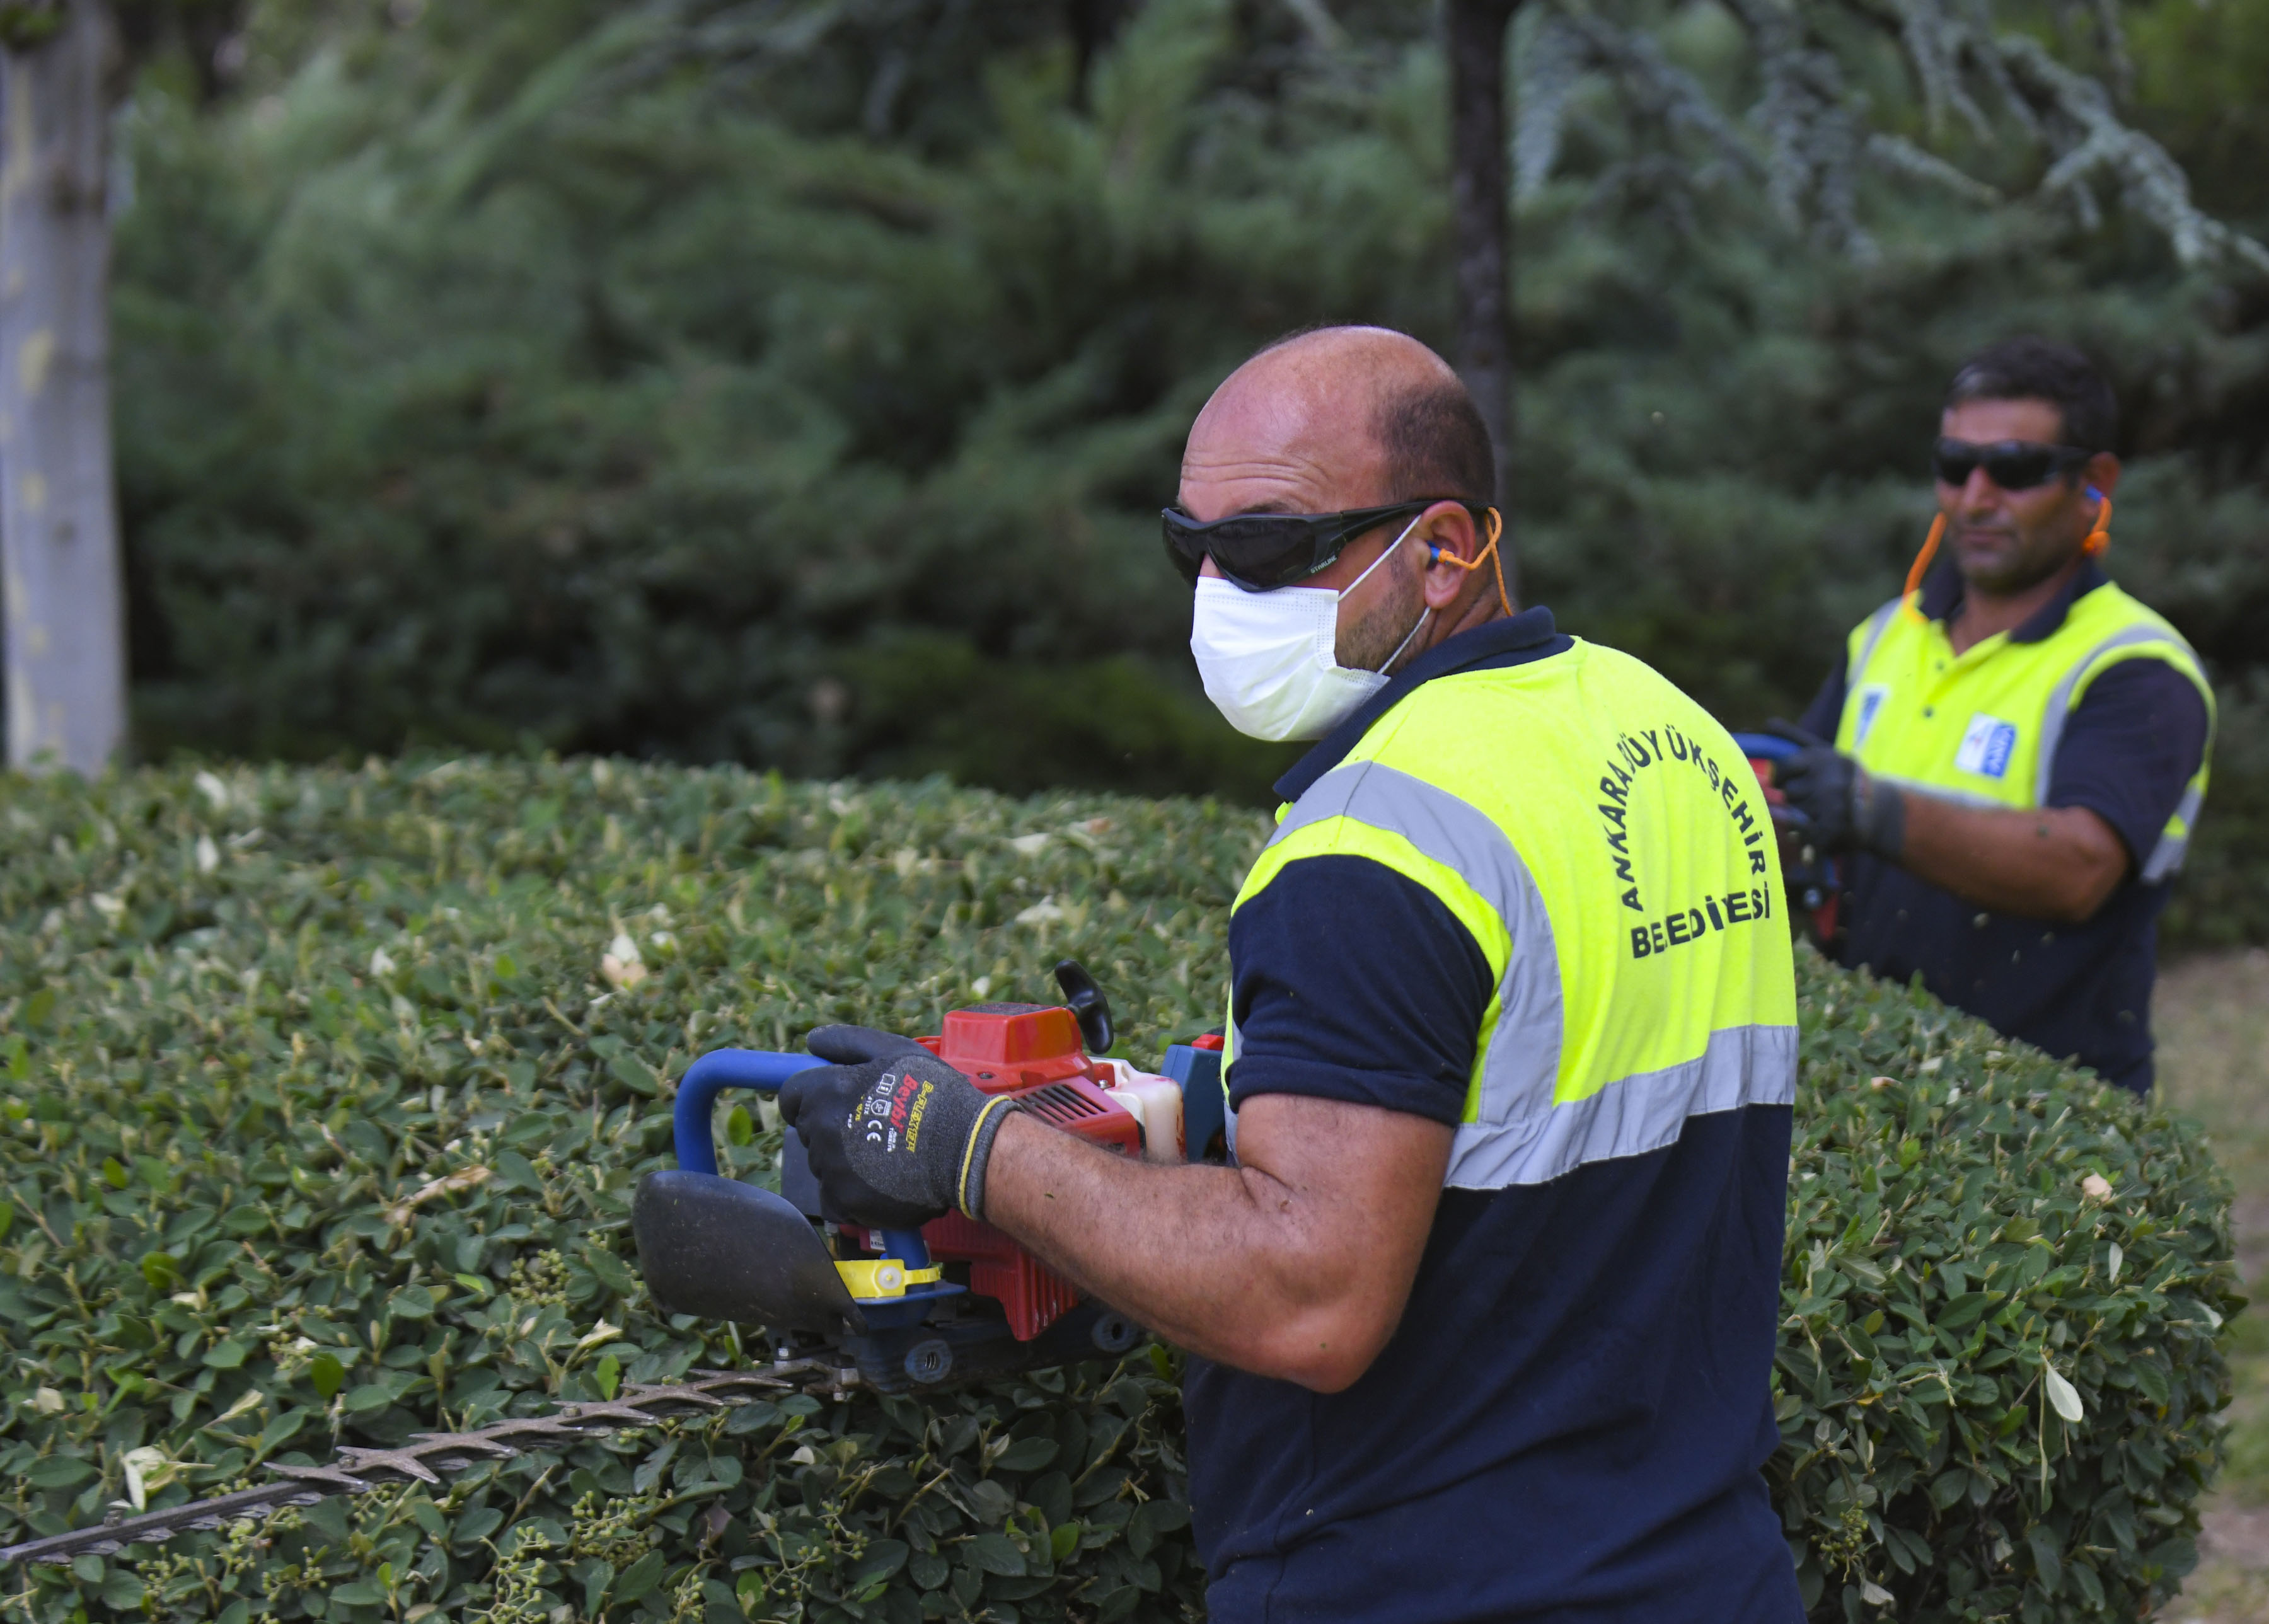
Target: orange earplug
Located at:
point(1435, 555)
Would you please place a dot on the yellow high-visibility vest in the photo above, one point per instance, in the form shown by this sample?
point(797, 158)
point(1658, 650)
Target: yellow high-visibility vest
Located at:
point(1608, 846)
point(1982, 727)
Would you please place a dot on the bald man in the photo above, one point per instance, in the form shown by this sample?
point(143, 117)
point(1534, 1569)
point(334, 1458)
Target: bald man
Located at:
point(1481, 1307)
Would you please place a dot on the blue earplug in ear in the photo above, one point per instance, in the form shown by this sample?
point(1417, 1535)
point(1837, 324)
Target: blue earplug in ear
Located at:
point(1433, 554)
point(2093, 491)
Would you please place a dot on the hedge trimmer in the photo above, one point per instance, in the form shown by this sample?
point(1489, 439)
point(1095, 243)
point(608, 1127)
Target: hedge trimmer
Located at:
point(431, 1456)
point(956, 1299)
point(883, 1310)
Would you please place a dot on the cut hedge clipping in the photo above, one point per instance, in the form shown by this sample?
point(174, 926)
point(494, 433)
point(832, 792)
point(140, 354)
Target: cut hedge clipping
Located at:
point(324, 1092)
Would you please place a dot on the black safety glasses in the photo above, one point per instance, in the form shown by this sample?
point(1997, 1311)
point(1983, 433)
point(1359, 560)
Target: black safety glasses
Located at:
point(1262, 552)
point(2012, 464)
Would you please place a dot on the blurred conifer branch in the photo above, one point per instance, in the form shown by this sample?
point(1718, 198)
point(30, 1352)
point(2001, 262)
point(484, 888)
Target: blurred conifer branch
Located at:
point(1813, 125)
point(713, 390)
point(1810, 136)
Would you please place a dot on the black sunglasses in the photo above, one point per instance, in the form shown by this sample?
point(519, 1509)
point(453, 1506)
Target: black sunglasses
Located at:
point(1262, 552)
point(2012, 464)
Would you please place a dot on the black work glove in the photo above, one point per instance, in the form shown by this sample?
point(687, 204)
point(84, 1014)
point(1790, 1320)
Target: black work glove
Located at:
point(896, 1137)
point(1844, 807)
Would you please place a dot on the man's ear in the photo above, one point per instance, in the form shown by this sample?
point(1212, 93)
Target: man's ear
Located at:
point(2103, 472)
point(1449, 532)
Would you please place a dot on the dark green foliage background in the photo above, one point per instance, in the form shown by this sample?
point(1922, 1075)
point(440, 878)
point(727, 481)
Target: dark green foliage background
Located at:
point(632, 380)
point(244, 1012)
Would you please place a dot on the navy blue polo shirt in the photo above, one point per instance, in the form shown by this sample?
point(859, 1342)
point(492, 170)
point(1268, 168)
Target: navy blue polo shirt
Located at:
point(1570, 1420)
point(2081, 992)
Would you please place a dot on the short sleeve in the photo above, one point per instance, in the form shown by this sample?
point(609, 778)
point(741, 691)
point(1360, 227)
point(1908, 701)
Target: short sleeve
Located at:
point(1352, 982)
point(2130, 749)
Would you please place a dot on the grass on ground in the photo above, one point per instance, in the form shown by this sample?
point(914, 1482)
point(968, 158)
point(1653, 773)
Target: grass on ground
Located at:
point(2212, 1019)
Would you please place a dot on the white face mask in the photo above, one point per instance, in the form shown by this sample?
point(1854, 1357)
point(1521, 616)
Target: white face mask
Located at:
point(1268, 658)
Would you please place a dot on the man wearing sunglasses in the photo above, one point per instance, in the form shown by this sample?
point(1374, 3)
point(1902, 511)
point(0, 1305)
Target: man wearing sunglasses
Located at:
point(2020, 748)
point(1481, 1309)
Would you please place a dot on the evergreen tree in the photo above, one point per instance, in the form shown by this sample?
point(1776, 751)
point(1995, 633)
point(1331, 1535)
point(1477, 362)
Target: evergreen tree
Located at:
point(702, 382)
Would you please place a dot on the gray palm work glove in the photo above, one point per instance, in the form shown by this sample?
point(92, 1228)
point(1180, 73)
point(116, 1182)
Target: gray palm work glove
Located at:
point(1845, 806)
point(896, 1137)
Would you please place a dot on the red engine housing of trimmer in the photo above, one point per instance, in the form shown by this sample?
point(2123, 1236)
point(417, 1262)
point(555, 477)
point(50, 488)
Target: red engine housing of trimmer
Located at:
point(1033, 1051)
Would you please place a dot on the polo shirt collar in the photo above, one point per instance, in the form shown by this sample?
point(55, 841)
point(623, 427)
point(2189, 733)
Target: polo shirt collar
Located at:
point(1942, 591)
point(1528, 635)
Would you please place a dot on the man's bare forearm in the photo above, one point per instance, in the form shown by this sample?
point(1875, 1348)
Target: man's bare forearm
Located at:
point(1176, 1247)
point(1292, 1269)
point(2054, 863)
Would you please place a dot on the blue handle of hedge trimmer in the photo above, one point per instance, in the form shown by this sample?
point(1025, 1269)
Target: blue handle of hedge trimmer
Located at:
point(764, 1071)
point(1765, 746)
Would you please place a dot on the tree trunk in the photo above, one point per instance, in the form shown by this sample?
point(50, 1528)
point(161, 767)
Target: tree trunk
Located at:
point(1480, 225)
point(1094, 24)
point(65, 619)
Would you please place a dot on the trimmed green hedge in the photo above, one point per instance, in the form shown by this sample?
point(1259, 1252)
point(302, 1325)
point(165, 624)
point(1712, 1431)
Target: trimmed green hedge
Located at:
point(1981, 1245)
point(261, 1032)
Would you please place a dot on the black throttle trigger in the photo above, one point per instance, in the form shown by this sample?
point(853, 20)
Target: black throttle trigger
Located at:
point(1085, 1000)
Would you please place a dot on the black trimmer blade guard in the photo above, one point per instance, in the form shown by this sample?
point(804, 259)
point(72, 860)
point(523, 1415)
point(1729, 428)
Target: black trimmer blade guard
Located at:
point(713, 1246)
point(975, 1347)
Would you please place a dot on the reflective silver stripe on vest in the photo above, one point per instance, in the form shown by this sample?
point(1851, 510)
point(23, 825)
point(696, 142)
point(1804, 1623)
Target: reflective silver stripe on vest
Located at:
point(2060, 706)
point(1741, 1065)
point(1878, 622)
point(2166, 856)
point(1519, 1136)
point(1523, 1061)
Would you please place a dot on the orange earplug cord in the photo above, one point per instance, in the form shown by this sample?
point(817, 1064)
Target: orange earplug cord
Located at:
point(2098, 539)
point(1496, 530)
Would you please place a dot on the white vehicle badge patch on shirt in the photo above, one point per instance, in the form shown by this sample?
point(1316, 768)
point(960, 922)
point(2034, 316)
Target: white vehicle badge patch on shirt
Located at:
point(1871, 704)
point(1987, 744)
